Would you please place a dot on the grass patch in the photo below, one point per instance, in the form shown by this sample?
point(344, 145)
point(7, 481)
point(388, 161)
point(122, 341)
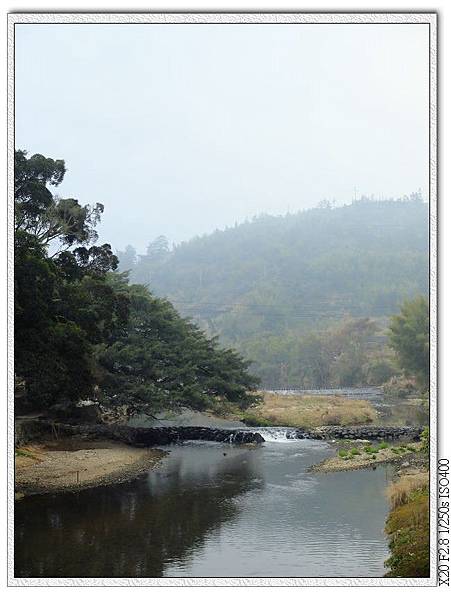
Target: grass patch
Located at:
point(399, 491)
point(309, 411)
point(408, 527)
point(253, 420)
point(22, 452)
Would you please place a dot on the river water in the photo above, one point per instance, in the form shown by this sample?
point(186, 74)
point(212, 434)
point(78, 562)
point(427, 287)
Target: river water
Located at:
point(213, 510)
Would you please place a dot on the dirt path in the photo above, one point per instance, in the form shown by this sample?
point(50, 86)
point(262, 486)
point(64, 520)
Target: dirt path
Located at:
point(72, 464)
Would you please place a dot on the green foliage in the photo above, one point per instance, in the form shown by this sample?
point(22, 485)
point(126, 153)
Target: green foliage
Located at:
point(82, 331)
point(166, 361)
point(355, 451)
point(342, 452)
point(383, 445)
point(425, 440)
point(408, 529)
point(409, 337)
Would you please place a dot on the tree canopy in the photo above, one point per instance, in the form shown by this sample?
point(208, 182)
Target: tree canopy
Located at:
point(82, 332)
point(409, 337)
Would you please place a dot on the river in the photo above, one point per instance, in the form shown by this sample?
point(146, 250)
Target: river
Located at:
point(213, 510)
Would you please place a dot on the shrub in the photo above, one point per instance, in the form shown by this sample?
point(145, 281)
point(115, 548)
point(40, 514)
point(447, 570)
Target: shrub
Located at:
point(355, 451)
point(408, 529)
point(425, 440)
point(342, 453)
point(383, 445)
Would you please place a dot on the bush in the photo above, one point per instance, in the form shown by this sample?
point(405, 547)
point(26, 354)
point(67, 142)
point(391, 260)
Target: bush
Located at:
point(425, 440)
point(408, 527)
point(383, 445)
point(342, 453)
point(355, 451)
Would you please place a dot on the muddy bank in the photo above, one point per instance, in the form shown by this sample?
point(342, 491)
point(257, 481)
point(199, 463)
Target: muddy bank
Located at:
point(76, 463)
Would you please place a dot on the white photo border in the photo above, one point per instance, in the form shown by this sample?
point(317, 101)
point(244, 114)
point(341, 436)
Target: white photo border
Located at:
point(430, 18)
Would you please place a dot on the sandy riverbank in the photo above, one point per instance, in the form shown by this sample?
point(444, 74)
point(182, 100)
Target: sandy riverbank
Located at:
point(365, 461)
point(73, 464)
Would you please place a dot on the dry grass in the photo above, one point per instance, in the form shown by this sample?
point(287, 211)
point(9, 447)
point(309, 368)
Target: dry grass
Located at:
point(312, 411)
point(399, 491)
point(408, 527)
point(29, 455)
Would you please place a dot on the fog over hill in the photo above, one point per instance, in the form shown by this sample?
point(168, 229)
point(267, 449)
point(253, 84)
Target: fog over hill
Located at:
point(273, 277)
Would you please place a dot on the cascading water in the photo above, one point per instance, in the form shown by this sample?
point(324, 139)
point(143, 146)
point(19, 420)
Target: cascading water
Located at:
point(277, 434)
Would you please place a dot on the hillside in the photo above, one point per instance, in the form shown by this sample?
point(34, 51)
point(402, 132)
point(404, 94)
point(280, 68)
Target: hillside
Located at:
point(260, 282)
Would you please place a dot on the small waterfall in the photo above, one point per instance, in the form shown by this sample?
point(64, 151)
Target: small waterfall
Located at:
point(277, 434)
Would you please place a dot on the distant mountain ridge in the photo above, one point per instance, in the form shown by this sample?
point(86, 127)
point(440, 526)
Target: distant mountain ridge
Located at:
point(305, 296)
point(361, 259)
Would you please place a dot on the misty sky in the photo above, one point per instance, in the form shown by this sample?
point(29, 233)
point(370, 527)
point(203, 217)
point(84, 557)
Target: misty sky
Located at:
point(182, 129)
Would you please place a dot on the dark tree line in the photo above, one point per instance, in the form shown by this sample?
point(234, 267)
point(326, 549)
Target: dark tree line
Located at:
point(82, 332)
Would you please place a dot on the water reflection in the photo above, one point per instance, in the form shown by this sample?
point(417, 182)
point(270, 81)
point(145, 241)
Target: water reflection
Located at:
point(131, 530)
point(213, 510)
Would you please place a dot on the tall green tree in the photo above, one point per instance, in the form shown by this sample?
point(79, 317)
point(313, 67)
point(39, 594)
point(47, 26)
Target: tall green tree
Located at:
point(62, 305)
point(409, 337)
point(81, 331)
point(165, 361)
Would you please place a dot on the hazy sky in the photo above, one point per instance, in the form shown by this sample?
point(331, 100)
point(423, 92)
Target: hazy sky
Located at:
point(181, 129)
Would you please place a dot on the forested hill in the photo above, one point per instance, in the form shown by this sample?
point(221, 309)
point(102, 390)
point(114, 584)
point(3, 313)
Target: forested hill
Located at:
point(361, 259)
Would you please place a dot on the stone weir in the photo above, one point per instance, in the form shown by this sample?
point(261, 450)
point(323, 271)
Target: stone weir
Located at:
point(360, 432)
point(136, 436)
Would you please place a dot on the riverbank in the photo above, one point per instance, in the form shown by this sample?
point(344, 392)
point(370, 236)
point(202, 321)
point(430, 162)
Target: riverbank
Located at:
point(363, 456)
point(75, 463)
point(407, 525)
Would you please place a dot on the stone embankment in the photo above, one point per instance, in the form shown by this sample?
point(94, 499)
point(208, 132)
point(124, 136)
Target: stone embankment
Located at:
point(363, 432)
point(37, 429)
point(135, 436)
